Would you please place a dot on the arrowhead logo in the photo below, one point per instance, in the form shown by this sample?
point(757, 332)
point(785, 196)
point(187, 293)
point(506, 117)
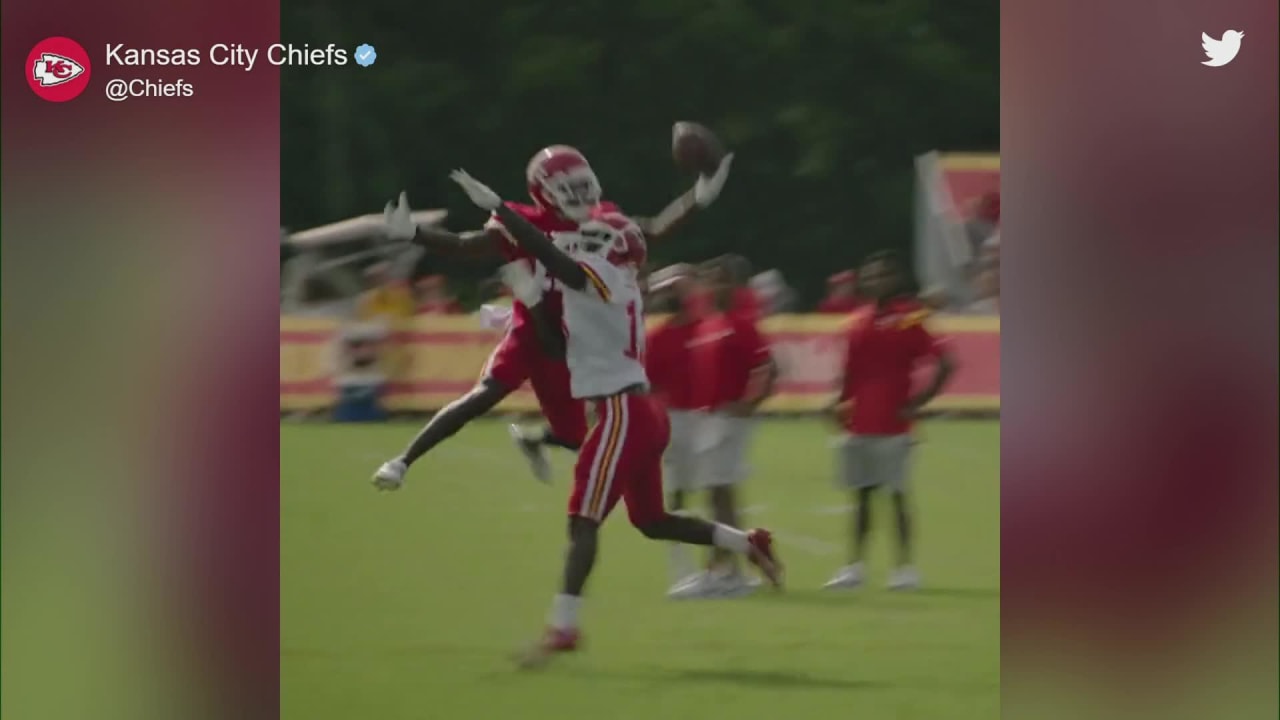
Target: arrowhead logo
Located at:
point(53, 69)
point(58, 69)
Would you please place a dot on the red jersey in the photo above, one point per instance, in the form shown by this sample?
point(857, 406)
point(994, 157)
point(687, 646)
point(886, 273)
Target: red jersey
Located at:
point(667, 361)
point(727, 347)
point(885, 344)
point(548, 221)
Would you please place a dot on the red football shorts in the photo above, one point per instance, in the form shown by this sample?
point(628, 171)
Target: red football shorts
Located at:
point(622, 460)
point(519, 359)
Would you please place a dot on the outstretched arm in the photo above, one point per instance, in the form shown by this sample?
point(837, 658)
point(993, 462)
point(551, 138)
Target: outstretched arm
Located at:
point(471, 243)
point(398, 224)
point(558, 264)
point(701, 195)
point(669, 218)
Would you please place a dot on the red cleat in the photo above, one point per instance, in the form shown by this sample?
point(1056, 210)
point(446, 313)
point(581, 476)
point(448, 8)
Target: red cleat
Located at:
point(762, 556)
point(554, 642)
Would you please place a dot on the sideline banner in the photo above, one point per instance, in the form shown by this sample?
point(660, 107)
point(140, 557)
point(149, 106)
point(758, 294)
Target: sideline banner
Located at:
point(431, 360)
point(947, 185)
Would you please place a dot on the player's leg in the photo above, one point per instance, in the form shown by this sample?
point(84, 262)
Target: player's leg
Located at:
point(595, 493)
point(656, 524)
point(894, 461)
point(641, 474)
point(679, 463)
point(727, 472)
point(505, 371)
point(722, 468)
point(453, 417)
point(855, 471)
point(566, 425)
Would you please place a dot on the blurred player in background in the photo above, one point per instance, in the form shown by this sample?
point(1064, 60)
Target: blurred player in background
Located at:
point(884, 347)
point(733, 373)
point(667, 363)
point(622, 457)
point(565, 192)
point(842, 294)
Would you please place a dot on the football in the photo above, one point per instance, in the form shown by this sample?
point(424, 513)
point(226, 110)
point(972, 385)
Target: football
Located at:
point(695, 148)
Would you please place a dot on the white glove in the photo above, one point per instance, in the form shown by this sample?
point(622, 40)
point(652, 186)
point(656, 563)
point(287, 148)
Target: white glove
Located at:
point(397, 219)
point(524, 286)
point(707, 189)
point(480, 194)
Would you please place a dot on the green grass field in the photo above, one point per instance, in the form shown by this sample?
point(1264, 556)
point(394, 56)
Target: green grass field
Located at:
point(408, 605)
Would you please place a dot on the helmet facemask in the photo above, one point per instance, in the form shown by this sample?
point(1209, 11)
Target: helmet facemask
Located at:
point(573, 193)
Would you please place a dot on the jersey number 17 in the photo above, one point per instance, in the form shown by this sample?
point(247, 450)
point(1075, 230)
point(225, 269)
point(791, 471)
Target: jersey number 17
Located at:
point(634, 351)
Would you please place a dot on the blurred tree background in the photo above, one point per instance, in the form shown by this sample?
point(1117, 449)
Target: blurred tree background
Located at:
point(825, 102)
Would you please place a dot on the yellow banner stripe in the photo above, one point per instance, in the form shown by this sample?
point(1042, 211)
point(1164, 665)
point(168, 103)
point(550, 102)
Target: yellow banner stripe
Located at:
point(446, 353)
point(970, 162)
point(611, 447)
point(594, 277)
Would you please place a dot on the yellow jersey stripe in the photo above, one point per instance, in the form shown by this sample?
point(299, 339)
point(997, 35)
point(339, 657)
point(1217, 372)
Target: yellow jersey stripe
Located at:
point(596, 282)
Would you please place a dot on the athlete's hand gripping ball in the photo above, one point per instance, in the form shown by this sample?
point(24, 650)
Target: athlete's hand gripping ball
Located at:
point(708, 187)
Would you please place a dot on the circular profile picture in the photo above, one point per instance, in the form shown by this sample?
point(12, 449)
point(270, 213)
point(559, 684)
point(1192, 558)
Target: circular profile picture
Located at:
point(58, 69)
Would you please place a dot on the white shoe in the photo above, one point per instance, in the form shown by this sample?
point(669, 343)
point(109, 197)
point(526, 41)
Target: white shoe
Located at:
point(700, 585)
point(734, 585)
point(708, 585)
point(904, 578)
point(847, 578)
point(391, 475)
point(533, 452)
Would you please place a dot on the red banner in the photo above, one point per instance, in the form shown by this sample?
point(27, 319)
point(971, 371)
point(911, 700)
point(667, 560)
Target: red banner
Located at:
point(429, 361)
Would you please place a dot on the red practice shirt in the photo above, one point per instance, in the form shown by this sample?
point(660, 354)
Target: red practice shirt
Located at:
point(726, 348)
point(548, 221)
point(885, 345)
point(667, 360)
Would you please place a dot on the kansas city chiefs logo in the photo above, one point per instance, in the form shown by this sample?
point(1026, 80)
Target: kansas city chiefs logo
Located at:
point(53, 69)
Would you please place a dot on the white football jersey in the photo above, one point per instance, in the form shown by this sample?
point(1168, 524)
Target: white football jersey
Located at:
point(604, 330)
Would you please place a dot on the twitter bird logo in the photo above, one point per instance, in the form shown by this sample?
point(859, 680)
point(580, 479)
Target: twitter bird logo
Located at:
point(1222, 51)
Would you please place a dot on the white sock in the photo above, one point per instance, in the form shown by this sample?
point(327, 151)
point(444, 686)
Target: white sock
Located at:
point(564, 612)
point(731, 539)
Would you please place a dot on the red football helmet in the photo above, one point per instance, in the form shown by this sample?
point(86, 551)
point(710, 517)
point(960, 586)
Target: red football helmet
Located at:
point(615, 237)
point(561, 179)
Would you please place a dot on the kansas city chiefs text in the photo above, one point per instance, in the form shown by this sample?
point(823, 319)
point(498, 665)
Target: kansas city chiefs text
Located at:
point(144, 57)
point(232, 54)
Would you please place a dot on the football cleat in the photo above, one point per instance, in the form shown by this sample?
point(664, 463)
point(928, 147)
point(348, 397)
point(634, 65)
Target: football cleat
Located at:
point(554, 642)
point(904, 578)
point(533, 451)
point(763, 557)
point(714, 585)
point(694, 587)
point(847, 578)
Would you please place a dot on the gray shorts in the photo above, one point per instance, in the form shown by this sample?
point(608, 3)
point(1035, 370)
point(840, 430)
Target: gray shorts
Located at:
point(680, 461)
point(723, 456)
point(867, 461)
